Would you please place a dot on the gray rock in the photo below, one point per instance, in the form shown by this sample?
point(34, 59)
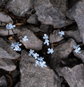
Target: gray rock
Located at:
point(18, 84)
point(3, 82)
point(74, 34)
point(77, 12)
point(62, 51)
point(55, 37)
point(2, 2)
point(74, 76)
point(80, 55)
point(9, 52)
point(5, 18)
point(19, 7)
point(52, 12)
point(7, 65)
point(35, 76)
point(33, 19)
point(33, 42)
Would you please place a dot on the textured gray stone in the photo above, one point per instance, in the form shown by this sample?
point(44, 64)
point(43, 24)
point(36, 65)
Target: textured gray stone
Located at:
point(62, 51)
point(74, 76)
point(33, 42)
point(35, 76)
point(55, 37)
point(19, 7)
point(52, 12)
point(2, 2)
point(6, 50)
point(77, 12)
point(5, 18)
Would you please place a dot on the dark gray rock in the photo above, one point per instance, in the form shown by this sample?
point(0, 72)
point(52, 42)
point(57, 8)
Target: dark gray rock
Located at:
point(2, 2)
point(6, 50)
point(77, 12)
point(3, 82)
point(55, 37)
point(80, 55)
point(19, 7)
point(52, 12)
point(35, 76)
point(7, 65)
point(5, 18)
point(74, 76)
point(33, 42)
point(74, 34)
point(33, 19)
point(18, 84)
point(62, 51)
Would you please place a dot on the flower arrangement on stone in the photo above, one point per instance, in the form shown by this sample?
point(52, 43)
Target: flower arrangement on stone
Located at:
point(61, 33)
point(77, 48)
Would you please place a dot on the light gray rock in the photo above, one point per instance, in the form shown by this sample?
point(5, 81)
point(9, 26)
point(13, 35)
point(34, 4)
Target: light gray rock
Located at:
point(52, 12)
point(80, 55)
point(7, 65)
point(3, 82)
point(77, 12)
point(62, 51)
point(35, 76)
point(19, 7)
point(55, 37)
point(33, 19)
point(73, 76)
point(6, 50)
point(33, 42)
point(5, 18)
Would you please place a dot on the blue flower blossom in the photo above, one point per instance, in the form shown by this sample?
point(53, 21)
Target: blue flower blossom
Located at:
point(10, 26)
point(25, 39)
point(17, 48)
point(50, 51)
point(37, 63)
point(46, 42)
point(43, 64)
point(40, 59)
point(78, 50)
point(31, 52)
point(35, 55)
point(61, 33)
point(75, 46)
point(45, 36)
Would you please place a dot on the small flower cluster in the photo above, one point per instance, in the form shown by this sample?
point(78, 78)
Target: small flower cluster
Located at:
point(39, 60)
point(77, 48)
point(61, 33)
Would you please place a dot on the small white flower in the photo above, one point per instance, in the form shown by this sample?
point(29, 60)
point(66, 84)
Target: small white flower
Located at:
point(40, 59)
point(50, 51)
point(61, 33)
point(45, 36)
point(42, 64)
point(10, 26)
point(46, 42)
point(37, 62)
point(25, 39)
point(17, 48)
point(31, 52)
point(35, 55)
point(77, 50)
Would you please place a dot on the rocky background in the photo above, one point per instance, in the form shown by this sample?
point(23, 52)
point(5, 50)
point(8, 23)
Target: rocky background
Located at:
point(34, 18)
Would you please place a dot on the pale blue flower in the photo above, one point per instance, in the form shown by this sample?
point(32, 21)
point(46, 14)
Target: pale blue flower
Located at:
point(37, 63)
point(35, 55)
point(61, 33)
point(43, 64)
point(75, 46)
point(31, 52)
point(40, 59)
point(45, 36)
point(77, 50)
point(50, 51)
point(17, 48)
point(10, 26)
point(25, 39)
point(46, 42)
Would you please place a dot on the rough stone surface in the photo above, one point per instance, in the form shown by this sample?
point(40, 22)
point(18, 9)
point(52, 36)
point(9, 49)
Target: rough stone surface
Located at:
point(52, 12)
point(2, 2)
point(6, 48)
point(80, 55)
point(33, 42)
point(77, 12)
point(35, 76)
point(7, 64)
point(74, 76)
point(3, 82)
point(55, 37)
point(19, 7)
point(33, 19)
point(5, 18)
point(62, 51)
